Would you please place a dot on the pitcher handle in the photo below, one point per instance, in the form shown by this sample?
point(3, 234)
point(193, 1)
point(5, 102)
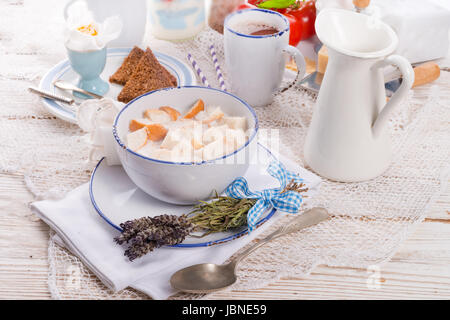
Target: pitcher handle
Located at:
point(402, 92)
point(299, 61)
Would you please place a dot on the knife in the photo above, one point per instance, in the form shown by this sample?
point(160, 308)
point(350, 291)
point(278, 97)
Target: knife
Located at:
point(64, 85)
point(423, 73)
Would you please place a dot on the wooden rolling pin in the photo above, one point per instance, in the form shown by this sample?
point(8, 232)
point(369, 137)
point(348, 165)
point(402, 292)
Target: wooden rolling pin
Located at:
point(423, 74)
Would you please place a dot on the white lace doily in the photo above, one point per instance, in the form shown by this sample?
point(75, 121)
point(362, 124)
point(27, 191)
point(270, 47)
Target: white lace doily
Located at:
point(370, 219)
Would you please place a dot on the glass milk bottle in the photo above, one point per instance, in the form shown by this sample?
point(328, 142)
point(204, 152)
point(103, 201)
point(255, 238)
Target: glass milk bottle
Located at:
point(176, 19)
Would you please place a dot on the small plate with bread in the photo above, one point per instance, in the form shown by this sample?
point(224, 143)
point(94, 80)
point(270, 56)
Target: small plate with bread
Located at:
point(130, 72)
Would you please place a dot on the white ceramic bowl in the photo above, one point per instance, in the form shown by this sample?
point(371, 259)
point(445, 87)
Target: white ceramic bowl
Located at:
point(184, 182)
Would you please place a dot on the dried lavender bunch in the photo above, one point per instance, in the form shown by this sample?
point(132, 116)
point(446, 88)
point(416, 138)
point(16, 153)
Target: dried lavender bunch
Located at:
point(136, 251)
point(218, 215)
point(147, 233)
point(131, 228)
point(171, 220)
point(161, 233)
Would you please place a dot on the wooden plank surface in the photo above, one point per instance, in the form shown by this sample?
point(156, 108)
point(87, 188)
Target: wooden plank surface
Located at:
point(419, 270)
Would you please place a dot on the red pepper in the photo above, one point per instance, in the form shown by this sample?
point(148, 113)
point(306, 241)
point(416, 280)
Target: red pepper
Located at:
point(295, 33)
point(306, 15)
point(301, 16)
point(244, 6)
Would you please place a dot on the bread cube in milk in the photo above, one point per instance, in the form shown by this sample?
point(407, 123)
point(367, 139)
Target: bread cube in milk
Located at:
point(214, 114)
point(149, 150)
point(202, 115)
point(173, 137)
point(213, 150)
point(137, 139)
point(158, 116)
point(183, 151)
point(164, 154)
point(234, 139)
point(185, 123)
point(197, 136)
point(236, 122)
point(198, 155)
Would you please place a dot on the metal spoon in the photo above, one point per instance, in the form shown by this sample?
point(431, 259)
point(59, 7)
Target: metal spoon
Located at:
point(64, 85)
point(209, 277)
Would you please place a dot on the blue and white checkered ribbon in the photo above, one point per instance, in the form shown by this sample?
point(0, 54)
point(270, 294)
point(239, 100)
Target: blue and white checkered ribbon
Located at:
point(289, 201)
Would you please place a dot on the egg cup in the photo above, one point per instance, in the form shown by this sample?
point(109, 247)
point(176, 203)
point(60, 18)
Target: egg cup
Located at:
point(89, 65)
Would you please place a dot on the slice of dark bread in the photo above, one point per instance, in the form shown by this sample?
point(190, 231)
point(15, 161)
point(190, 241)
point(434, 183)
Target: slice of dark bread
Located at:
point(149, 75)
point(171, 77)
point(123, 74)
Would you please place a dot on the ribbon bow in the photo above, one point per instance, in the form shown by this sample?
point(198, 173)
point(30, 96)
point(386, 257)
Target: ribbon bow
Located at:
point(288, 201)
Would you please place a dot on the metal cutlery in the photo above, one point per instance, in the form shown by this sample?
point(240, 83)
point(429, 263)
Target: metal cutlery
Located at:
point(64, 85)
point(209, 277)
point(50, 95)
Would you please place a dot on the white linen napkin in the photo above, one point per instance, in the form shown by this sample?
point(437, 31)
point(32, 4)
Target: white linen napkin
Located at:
point(88, 236)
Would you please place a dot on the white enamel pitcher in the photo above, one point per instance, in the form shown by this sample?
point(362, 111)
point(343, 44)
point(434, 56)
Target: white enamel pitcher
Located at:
point(348, 138)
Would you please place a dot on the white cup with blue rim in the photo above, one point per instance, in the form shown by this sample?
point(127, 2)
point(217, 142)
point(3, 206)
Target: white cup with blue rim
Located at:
point(255, 64)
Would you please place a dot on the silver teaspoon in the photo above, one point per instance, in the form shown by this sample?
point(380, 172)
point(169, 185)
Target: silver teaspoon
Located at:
point(209, 277)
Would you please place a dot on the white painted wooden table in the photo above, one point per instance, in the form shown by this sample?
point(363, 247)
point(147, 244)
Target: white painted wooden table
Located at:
point(420, 268)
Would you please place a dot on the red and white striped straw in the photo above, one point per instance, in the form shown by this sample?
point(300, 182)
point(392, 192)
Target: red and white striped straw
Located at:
point(198, 70)
point(217, 67)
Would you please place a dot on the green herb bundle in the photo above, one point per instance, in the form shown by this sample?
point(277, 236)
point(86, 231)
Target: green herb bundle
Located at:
point(221, 214)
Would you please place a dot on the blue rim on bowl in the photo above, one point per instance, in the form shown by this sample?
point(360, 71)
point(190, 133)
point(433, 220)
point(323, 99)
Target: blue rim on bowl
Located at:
point(180, 245)
point(122, 145)
point(280, 33)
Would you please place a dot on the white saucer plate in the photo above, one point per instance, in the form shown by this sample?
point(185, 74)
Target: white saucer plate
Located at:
point(117, 199)
point(115, 56)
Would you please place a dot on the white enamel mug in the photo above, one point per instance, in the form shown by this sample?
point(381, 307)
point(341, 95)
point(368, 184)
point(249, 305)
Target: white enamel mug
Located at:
point(256, 63)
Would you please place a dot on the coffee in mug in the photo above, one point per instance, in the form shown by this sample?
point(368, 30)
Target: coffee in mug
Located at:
point(256, 43)
point(256, 28)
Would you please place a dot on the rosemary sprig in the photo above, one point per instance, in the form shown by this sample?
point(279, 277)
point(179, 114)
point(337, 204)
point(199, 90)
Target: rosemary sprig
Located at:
point(220, 214)
point(224, 213)
point(294, 186)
